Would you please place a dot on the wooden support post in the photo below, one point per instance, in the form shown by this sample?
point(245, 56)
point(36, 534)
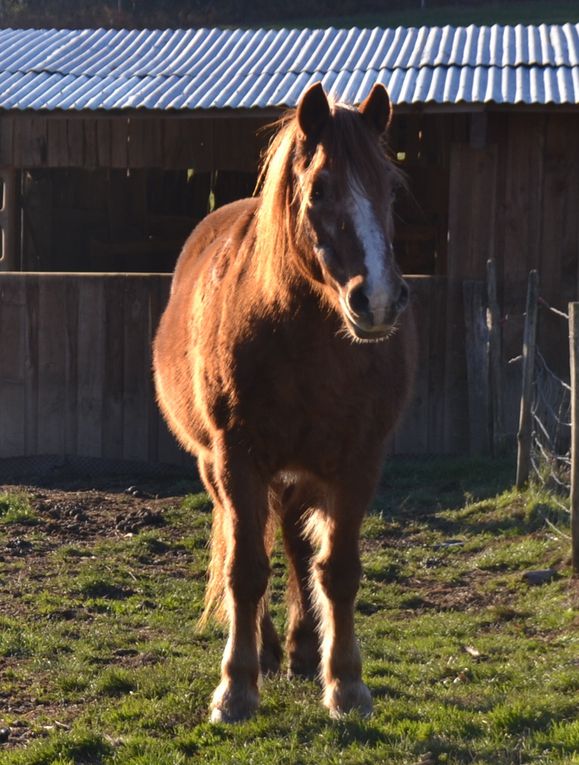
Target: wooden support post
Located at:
point(495, 355)
point(525, 416)
point(574, 365)
point(9, 240)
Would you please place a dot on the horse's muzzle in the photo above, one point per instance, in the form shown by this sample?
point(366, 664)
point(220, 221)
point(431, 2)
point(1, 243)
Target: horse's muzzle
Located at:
point(373, 320)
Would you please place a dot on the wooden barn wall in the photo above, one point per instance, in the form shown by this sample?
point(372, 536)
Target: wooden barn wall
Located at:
point(119, 193)
point(171, 141)
point(75, 361)
point(75, 367)
point(515, 199)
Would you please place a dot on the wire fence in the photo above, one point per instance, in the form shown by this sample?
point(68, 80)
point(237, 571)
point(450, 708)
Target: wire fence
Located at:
point(551, 426)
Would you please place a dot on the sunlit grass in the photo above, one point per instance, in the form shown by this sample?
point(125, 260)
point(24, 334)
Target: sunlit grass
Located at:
point(464, 659)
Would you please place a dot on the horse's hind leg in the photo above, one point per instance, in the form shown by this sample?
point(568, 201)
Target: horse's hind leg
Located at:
point(243, 500)
point(302, 642)
point(270, 652)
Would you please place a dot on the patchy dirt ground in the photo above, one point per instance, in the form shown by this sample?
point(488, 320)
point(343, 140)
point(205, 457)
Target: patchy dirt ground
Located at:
point(101, 583)
point(72, 515)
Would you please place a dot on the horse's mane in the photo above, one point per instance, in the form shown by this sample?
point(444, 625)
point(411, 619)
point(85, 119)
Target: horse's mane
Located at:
point(353, 150)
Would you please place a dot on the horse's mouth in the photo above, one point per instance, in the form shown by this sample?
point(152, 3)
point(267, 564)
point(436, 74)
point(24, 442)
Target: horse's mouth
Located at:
point(369, 334)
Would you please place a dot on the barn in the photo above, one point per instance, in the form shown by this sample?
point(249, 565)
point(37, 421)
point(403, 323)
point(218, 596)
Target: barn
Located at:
point(113, 143)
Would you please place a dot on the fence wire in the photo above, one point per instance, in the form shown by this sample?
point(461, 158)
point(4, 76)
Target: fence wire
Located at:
point(551, 434)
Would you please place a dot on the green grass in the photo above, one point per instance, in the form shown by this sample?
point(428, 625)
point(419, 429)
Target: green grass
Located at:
point(101, 661)
point(526, 12)
point(15, 508)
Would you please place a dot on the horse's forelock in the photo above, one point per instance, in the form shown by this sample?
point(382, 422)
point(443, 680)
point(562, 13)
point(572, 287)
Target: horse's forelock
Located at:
point(355, 156)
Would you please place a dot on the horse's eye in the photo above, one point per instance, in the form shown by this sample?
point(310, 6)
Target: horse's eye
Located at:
point(317, 192)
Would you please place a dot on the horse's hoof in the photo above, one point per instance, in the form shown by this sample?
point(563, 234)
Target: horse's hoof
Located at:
point(270, 659)
point(233, 703)
point(341, 698)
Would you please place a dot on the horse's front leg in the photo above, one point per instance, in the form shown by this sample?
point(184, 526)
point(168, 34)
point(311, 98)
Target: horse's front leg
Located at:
point(246, 571)
point(336, 578)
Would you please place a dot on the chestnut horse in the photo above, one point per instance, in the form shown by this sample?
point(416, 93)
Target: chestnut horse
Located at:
point(283, 360)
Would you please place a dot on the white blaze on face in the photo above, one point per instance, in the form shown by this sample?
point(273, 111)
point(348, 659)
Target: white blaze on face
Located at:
point(371, 236)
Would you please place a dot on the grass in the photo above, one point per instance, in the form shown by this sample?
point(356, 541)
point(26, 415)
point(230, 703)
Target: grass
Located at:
point(526, 12)
point(16, 508)
point(101, 661)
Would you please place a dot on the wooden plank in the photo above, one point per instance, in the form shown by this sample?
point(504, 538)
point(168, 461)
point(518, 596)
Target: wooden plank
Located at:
point(559, 252)
point(31, 288)
point(104, 143)
point(477, 367)
point(570, 245)
point(412, 434)
point(495, 357)
point(114, 348)
point(6, 141)
point(12, 368)
point(120, 142)
point(52, 366)
point(136, 143)
point(471, 216)
point(145, 147)
point(90, 158)
point(238, 144)
point(76, 143)
point(70, 382)
point(524, 434)
point(188, 144)
point(522, 220)
point(472, 206)
point(436, 365)
point(91, 365)
point(9, 219)
point(136, 366)
point(57, 143)
point(524, 195)
point(37, 220)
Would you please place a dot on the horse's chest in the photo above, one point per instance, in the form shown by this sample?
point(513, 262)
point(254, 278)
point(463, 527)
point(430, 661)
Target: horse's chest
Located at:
point(318, 410)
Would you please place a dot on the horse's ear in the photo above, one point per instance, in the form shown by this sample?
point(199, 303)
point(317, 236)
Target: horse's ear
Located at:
point(376, 109)
point(313, 112)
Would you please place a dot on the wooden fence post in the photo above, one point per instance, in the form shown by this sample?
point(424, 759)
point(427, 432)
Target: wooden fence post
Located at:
point(574, 366)
point(525, 417)
point(495, 354)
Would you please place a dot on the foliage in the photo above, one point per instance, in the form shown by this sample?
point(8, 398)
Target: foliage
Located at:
point(192, 13)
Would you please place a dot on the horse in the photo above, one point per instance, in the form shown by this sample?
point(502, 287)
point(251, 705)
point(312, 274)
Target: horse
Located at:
point(282, 361)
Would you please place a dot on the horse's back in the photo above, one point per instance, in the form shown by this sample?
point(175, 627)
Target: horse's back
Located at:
point(224, 223)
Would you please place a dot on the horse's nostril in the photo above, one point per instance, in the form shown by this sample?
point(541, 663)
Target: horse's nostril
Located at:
point(403, 297)
point(358, 301)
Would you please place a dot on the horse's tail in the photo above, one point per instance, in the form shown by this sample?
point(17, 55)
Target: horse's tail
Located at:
point(215, 593)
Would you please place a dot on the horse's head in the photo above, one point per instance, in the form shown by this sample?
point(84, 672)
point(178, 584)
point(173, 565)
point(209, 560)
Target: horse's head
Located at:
point(343, 193)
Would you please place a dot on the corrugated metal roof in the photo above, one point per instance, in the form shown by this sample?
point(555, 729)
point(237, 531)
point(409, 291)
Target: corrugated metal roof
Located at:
point(236, 68)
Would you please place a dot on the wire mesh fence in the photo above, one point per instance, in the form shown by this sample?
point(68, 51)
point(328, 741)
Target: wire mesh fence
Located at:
point(545, 421)
point(551, 431)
